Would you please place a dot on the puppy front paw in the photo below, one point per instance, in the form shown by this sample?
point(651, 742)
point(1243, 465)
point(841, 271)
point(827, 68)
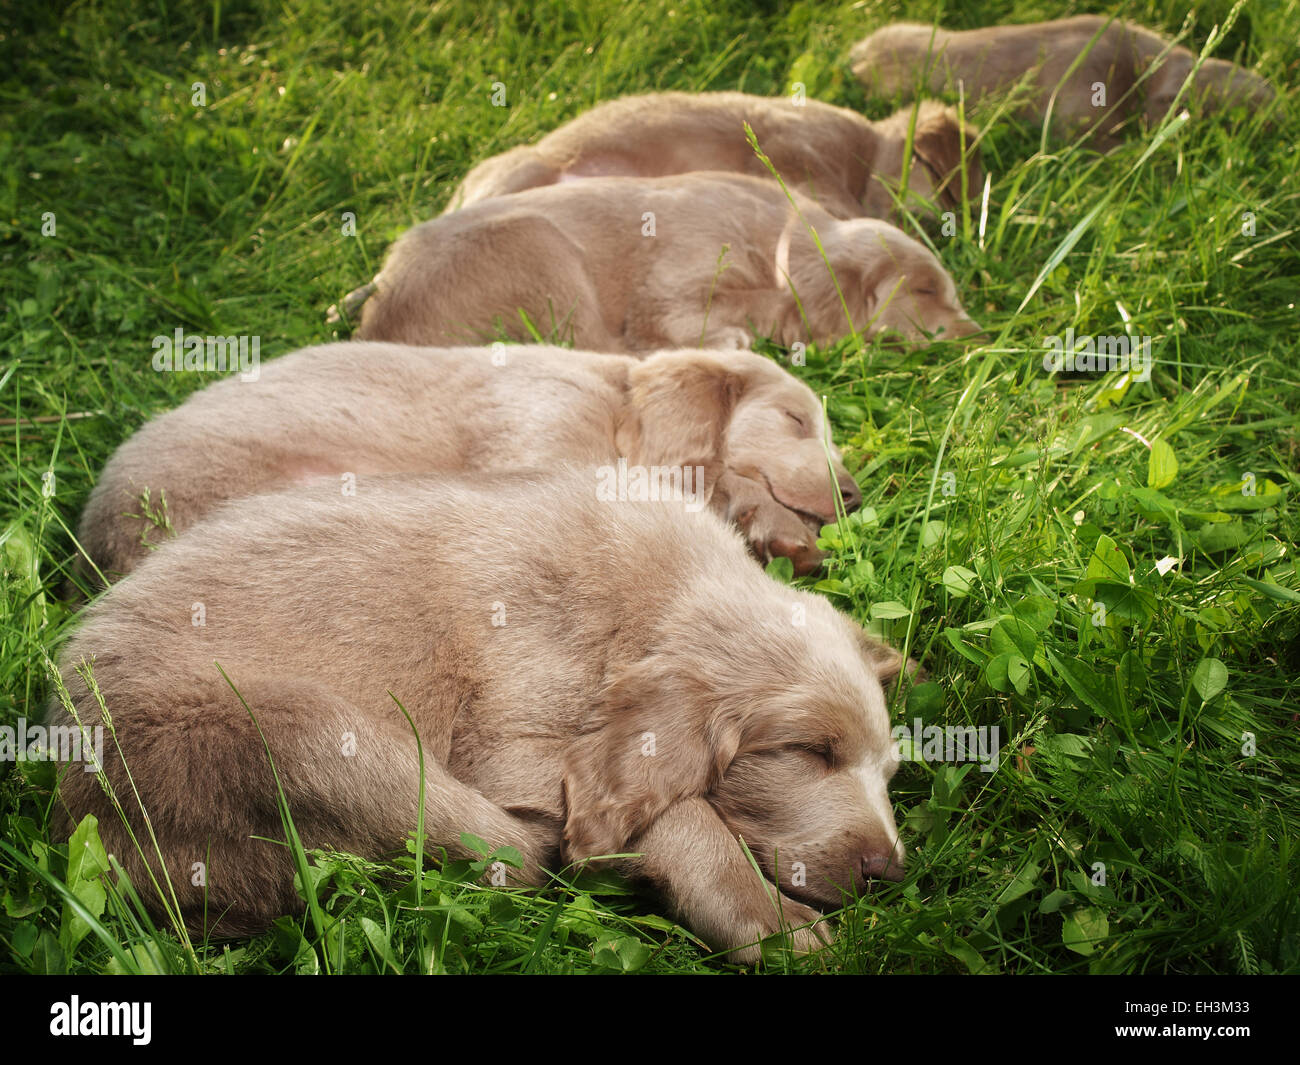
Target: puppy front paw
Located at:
point(805, 555)
point(800, 929)
point(776, 531)
point(729, 338)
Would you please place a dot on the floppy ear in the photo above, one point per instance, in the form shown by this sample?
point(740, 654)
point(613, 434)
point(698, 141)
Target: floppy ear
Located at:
point(654, 740)
point(887, 663)
point(937, 142)
point(1163, 85)
point(817, 313)
point(682, 403)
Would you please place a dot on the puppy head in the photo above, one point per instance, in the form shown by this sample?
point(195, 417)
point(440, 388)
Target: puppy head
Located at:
point(778, 437)
point(808, 787)
point(1225, 85)
point(782, 728)
point(740, 412)
point(1219, 85)
point(891, 284)
point(935, 171)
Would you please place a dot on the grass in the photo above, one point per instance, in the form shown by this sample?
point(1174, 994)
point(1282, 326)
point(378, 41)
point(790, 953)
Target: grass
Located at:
point(1016, 525)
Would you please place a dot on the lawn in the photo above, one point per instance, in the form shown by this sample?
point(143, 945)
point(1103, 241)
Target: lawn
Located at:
point(1101, 567)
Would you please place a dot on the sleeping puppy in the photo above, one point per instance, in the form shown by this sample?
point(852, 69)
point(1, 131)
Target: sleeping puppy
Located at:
point(586, 679)
point(900, 58)
point(837, 157)
point(639, 264)
point(733, 424)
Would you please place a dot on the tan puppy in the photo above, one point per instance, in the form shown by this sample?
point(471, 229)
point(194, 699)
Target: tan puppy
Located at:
point(638, 264)
point(900, 58)
point(734, 426)
point(846, 163)
point(586, 678)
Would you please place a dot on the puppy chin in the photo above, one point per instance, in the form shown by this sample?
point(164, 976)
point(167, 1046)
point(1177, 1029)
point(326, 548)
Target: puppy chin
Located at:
point(961, 329)
point(894, 338)
point(822, 885)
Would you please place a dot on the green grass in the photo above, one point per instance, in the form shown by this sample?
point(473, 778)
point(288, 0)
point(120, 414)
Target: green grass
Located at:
point(1002, 505)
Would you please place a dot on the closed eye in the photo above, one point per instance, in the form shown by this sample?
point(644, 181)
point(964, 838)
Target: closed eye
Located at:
point(822, 751)
point(798, 420)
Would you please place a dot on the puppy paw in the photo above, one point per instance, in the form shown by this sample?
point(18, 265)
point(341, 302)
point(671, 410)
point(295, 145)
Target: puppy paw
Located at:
point(797, 928)
point(807, 558)
point(775, 531)
point(806, 929)
point(729, 338)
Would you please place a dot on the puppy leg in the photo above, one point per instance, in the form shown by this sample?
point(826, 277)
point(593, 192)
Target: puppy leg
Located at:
point(680, 327)
point(692, 858)
point(690, 307)
point(350, 777)
point(728, 338)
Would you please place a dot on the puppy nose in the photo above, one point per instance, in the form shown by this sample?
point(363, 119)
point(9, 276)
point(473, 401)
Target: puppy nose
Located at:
point(966, 327)
point(882, 867)
point(851, 492)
